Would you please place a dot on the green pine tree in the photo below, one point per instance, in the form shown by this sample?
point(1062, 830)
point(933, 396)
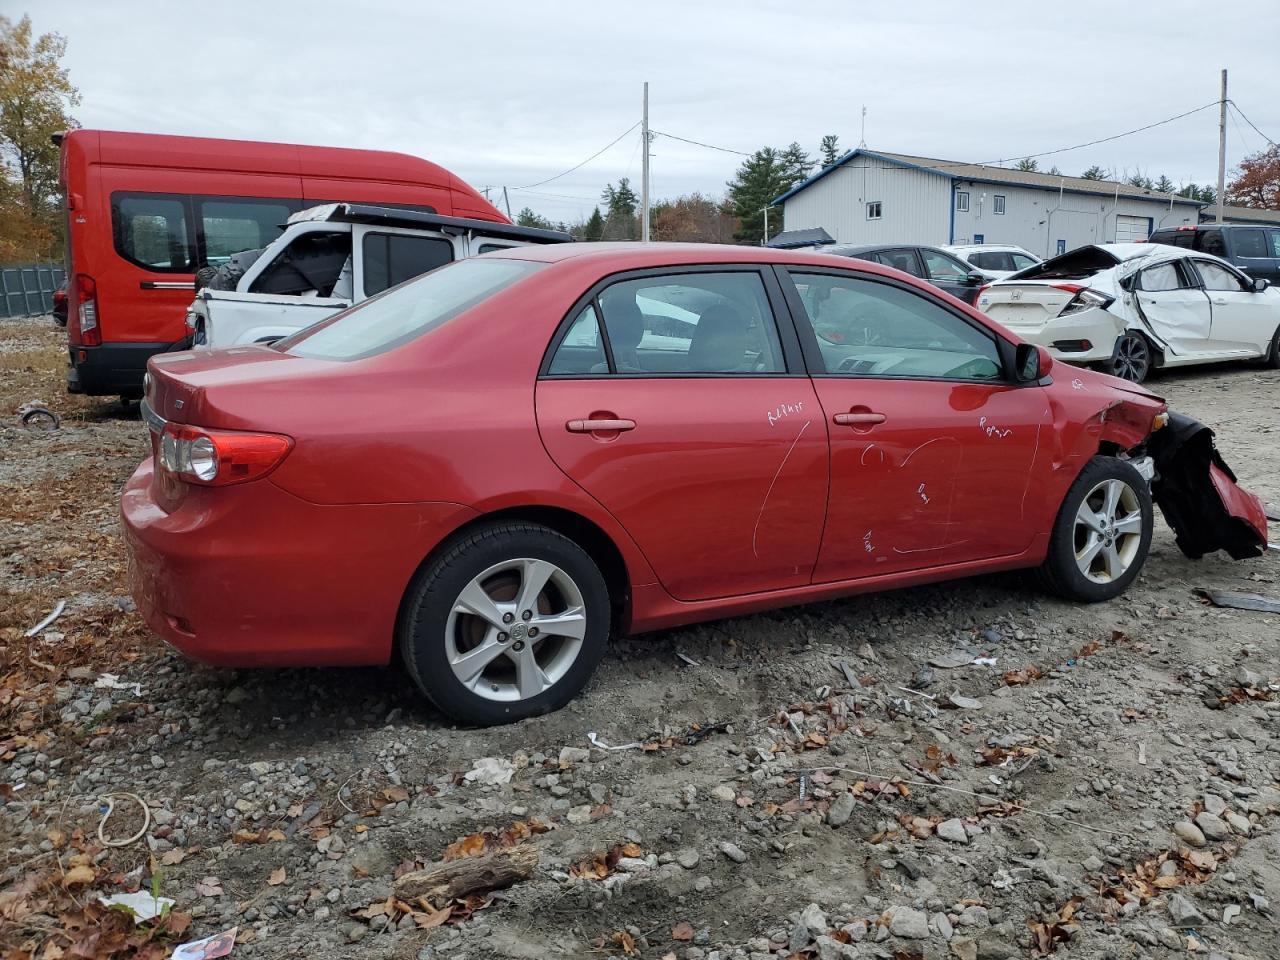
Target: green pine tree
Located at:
point(594, 229)
point(527, 218)
point(1094, 173)
point(796, 163)
point(760, 179)
point(1165, 185)
point(621, 202)
point(829, 152)
point(1028, 165)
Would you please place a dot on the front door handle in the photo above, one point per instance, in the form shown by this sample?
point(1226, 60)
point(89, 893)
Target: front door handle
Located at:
point(858, 419)
point(599, 426)
point(1221, 302)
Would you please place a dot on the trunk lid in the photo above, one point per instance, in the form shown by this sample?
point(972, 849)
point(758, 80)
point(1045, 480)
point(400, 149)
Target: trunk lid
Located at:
point(1025, 307)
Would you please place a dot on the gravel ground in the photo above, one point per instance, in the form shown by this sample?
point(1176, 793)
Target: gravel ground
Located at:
point(808, 783)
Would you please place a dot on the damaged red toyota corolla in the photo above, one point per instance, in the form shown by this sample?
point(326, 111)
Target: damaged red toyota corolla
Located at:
point(491, 469)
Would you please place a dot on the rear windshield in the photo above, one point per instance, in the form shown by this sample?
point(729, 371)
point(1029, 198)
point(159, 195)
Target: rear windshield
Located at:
point(405, 312)
point(1075, 265)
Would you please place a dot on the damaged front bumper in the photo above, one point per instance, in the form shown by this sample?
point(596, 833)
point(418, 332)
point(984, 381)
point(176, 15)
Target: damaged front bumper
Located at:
point(1198, 494)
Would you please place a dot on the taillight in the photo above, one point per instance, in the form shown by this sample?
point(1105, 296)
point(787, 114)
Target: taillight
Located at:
point(1084, 299)
point(87, 311)
point(981, 290)
point(219, 458)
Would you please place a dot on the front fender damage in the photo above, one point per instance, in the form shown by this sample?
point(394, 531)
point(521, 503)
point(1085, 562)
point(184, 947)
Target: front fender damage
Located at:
point(1198, 495)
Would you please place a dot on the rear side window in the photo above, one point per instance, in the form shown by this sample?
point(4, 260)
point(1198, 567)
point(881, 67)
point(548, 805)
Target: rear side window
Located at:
point(406, 312)
point(392, 258)
point(152, 231)
point(904, 260)
point(233, 226)
point(1275, 242)
point(1249, 243)
point(1021, 261)
point(309, 266)
point(582, 349)
point(1210, 241)
point(993, 260)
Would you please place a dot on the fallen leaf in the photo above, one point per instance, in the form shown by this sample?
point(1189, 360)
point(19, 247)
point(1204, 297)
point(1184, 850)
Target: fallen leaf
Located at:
point(425, 921)
point(277, 877)
point(682, 931)
point(209, 887)
point(173, 857)
point(626, 942)
point(78, 875)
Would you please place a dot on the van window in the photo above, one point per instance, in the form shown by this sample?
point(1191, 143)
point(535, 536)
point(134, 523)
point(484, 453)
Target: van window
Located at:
point(151, 231)
point(309, 266)
point(233, 226)
point(391, 258)
point(1249, 243)
point(1174, 238)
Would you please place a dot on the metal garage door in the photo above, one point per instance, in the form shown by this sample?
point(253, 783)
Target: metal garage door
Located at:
point(1132, 229)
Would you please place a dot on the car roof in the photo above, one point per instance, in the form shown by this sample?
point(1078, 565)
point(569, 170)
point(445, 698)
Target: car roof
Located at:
point(640, 255)
point(853, 249)
point(986, 247)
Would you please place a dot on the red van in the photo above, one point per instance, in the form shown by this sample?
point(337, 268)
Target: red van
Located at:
point(145, 212)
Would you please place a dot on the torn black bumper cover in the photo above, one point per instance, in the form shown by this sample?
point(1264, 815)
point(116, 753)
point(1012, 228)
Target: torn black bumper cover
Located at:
point(1198, 495)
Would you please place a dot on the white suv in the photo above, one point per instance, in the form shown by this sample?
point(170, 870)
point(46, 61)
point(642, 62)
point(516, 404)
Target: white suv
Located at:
point(995, 261)
point(329, 258)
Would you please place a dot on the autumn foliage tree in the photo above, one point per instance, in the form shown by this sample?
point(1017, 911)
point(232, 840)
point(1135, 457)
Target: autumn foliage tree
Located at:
point(35, 94)
point(693, 219)
point(1257, 181)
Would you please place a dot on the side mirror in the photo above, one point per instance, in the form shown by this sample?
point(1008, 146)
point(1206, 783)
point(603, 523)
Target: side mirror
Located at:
point(1126, 283)
point(974, 279)
point(1031, 363)
point(1260, 284)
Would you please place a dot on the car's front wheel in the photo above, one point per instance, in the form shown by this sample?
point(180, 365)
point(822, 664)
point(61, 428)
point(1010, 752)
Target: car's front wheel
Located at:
point(1132, 359)
point(508, 622)
point(1102, 533)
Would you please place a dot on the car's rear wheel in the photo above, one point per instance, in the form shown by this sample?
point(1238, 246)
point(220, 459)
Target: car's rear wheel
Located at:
point(1132, 359)
point(1272, 357)
point(1102, 533)
point(508, 622)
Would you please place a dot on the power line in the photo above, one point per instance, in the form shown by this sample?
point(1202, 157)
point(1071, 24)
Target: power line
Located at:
point(698, 143)
point(583, 163)
point(1250, 123)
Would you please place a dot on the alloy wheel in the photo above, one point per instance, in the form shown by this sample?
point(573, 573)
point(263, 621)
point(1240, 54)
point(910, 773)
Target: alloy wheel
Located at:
point(1108, 531)
point(1133, 358)
point(515, 630)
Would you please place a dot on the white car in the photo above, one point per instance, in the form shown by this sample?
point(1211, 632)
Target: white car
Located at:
point(995, 261)
point(331, 257)
point(1134, 307)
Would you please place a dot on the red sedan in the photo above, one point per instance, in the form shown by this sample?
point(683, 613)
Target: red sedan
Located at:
point(491, 468)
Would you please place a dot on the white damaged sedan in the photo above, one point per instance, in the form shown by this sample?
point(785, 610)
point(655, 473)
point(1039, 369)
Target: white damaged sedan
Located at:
point(1130, 308)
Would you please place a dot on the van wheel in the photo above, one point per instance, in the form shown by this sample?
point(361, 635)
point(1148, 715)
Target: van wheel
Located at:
point(509, 622)
point(1102, 533)
point(1132, 359)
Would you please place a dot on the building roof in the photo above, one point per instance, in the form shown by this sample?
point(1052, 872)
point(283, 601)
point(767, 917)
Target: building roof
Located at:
point(793, 239)
point(1232, 214)
point(985, 173)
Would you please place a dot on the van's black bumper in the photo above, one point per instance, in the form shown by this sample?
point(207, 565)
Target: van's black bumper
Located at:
point(113, 369)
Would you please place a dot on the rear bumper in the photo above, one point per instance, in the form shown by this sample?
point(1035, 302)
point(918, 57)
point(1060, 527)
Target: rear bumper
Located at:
point(113, 369)
point(251, 575)
point(1098, 327)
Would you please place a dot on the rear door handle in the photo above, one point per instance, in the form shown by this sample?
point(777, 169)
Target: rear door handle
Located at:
point(858, 419)
point(1222, 302)
point(599, 426)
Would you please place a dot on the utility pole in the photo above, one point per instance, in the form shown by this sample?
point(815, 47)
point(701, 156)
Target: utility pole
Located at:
point(644, 168)
point(507, 202)
point(766, 227)
point(1222, 145)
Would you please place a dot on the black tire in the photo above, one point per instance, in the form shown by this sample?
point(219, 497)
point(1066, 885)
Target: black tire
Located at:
point(1133, 358)
point(423, 629)
point(1061, 572)
point(1271, 360)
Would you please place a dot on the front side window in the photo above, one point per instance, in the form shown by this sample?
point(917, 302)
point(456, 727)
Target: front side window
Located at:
point(1021, 261)
point(233, 226)
point(874, 210)
point(997, 204)
point(1217, 277)
point(406, 312)
point(1163, 276)
point(870, 329)
point(392, 258)
point(677, 325)
point(1249, 243)
point(942, 267)
point(962, 201)
point(1275, 242)
point(151, 231)
point(992, 260)
point(310, 266)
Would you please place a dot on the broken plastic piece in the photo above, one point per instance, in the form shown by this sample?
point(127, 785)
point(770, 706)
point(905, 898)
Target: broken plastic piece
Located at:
point(208, 948)
point(1239, 601)
point(597, 742)
point(109, 681)
point(57, 612)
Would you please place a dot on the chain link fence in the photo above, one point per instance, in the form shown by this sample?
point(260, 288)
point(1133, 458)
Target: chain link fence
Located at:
point(26, 289)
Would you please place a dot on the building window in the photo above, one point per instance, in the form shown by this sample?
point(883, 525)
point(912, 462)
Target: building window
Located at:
point(962, 201)
point(873, 210)
point(1062, 246)
point(998, 204)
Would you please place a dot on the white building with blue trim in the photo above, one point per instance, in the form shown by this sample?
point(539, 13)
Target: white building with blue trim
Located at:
point(868, 196)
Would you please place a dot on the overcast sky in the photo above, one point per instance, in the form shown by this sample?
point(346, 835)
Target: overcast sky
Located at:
point(507, 93)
